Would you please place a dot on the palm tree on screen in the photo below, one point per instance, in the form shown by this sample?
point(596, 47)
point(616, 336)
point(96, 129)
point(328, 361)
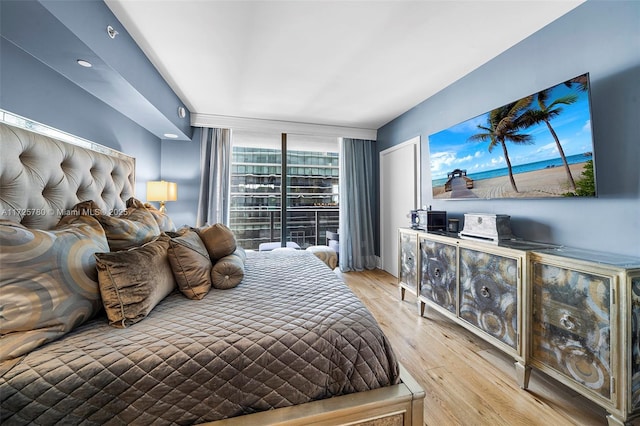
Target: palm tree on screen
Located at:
point(545, 113)
point(504, 125)
point(582, 81)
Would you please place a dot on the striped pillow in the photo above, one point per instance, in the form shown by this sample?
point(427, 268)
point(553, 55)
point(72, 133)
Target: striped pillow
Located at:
point(49, 282)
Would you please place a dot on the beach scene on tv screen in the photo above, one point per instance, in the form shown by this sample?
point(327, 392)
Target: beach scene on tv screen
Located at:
point(536, 147)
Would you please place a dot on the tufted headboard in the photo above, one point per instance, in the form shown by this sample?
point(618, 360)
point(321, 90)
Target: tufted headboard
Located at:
point(42, 177)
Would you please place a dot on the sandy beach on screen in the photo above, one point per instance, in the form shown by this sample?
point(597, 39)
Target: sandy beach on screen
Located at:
point(550, 182)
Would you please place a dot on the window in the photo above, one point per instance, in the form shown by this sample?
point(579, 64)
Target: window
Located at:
point(256, 192)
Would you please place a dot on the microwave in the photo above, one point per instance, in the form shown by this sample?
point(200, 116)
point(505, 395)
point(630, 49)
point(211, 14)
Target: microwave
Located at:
point(429, 220)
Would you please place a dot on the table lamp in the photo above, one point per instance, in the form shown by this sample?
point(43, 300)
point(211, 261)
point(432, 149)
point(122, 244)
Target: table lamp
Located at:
point(162, 191)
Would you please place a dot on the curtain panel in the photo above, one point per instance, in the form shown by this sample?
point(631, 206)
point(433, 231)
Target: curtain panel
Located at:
point(215, 180)
point(357, 204)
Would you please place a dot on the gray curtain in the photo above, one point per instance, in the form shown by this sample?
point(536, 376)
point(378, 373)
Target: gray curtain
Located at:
point(215, 180)
point(357, 204)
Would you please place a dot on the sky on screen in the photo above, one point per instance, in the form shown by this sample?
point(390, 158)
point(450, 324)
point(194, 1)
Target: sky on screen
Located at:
point(450, 149)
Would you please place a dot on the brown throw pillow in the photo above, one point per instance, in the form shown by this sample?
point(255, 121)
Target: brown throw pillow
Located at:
point(133, 282)
point(48, 281)
point(190, 264)
point(228, 272)
point(218, 239)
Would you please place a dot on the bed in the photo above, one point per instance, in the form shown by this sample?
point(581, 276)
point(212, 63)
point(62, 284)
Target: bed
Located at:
point(289, 344)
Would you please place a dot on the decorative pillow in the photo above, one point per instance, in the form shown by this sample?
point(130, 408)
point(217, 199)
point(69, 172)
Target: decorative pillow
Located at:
point(162, 219)
point(133, 282)
point(218, 239)
point(136, 226)
point(88, 208)
point(181, 231)
point(190, 264)
point(229, 271)
point(133, 228)
point(48, 281)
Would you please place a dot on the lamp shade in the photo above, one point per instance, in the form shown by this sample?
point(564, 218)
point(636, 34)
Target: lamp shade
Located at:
point(162, 191)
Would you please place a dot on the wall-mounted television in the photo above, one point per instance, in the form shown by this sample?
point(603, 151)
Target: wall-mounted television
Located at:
point(540, 146)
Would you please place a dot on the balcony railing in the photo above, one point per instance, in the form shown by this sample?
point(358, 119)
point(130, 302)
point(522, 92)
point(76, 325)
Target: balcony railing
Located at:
point(305, 226)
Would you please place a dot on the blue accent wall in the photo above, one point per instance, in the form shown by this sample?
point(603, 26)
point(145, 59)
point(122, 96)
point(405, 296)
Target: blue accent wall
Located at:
point(602, 38)
point(121, 102)
point(32, 90)
point(181, 164)
point(88, 21)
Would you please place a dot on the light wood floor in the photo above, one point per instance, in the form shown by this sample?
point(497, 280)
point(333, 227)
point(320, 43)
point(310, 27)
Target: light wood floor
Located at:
point(466, 380)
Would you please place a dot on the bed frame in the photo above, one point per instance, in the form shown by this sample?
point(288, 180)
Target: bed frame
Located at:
point(45, 172)
point(398, 405)
point(65, 170)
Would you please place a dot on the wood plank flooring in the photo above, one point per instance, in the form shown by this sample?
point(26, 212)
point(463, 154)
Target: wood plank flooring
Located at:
point(467, 381)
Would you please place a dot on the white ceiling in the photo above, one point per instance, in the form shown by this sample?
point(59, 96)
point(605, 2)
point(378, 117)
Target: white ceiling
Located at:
point(342, 63)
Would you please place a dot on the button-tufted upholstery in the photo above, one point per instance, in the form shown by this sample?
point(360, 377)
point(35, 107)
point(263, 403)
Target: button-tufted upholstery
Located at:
point(42, 177)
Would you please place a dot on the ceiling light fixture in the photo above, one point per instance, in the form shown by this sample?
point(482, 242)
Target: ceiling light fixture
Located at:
point(182, 113)
point(84, 63)
point(171, 135)
point(112, 32)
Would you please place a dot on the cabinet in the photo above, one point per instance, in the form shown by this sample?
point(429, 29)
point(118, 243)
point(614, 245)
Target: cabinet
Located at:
point(585, 326)
point(475, 284)
point(573, 314)
point(489, 293)
point(407, 262)
point(438, 274)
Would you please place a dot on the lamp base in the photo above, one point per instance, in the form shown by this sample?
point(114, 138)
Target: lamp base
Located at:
point(162, 208)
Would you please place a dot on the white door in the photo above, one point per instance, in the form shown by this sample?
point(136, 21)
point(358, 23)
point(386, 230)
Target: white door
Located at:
point(399, 177)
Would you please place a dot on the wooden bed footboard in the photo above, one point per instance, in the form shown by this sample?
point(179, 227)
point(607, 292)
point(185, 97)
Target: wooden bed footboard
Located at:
point(400, 405)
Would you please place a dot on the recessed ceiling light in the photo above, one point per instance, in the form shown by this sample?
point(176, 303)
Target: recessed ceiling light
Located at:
point(84, 63)
point(170, 135)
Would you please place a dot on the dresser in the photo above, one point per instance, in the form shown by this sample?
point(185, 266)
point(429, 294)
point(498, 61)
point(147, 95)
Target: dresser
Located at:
point(574, 314)
point(407, 262)
point(585, 325)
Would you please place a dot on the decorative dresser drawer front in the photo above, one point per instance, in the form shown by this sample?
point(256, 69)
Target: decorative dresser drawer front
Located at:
point(571, 325)
point(439, 271)
point(489, 294)
point(635, 343)
point(567, 317)
point(408, 258)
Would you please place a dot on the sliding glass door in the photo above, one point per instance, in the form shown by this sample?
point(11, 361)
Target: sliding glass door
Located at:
point(255, 195)
point(311, 189)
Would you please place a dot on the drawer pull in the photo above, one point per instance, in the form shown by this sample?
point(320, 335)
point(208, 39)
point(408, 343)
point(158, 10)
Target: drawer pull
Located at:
point(567, 322)
point(484, 292)
point(436, 272)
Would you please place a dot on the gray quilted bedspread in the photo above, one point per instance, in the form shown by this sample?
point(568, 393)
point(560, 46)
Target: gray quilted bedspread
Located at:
point(289, 333)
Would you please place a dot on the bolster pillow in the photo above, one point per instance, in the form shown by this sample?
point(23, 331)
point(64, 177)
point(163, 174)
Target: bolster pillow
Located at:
point(229, 271)
point(218, 239)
